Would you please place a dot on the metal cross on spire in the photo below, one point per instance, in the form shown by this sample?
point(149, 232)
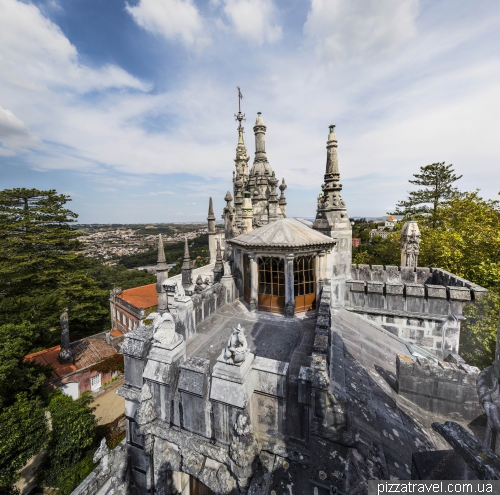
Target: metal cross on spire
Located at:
point(239, 116)
point(240, 97)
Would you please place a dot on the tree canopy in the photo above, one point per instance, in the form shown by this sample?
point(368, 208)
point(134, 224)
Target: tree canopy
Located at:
point(437, 180)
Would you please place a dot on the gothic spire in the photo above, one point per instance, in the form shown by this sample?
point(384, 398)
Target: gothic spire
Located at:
point(187, 265)
point(219, 264)
point(161, 277)
point(161, 263)
point(332, 160)
point(260, 139)
point(187, 257)
point(330, 199)
point(211, 215)
point(211, 230)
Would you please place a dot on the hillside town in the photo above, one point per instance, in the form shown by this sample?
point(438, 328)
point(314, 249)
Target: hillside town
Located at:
point(108, 245)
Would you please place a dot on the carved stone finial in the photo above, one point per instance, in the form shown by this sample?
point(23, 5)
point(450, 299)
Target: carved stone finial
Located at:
point(237, 347)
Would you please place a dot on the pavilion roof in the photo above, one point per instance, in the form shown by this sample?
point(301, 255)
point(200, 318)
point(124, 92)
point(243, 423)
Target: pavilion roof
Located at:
point(287, 233)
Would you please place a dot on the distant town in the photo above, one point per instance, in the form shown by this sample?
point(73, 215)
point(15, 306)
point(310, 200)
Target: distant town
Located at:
point(109, 242)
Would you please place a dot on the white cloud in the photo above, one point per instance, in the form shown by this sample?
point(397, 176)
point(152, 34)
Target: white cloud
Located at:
point(15, 136)
point(173, 19)
point(36, 55)
point(253, 20)
point(359, 29)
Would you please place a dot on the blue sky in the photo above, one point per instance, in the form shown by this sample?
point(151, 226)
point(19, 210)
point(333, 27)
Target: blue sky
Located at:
point(128, 107)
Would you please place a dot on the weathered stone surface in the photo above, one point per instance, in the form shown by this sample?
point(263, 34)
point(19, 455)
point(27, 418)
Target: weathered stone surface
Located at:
point(483, 461)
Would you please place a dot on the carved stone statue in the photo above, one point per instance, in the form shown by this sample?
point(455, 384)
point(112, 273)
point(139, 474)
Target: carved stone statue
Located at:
point(164, 329)
point(227, 269)
point(180, 294)
point(237, 347)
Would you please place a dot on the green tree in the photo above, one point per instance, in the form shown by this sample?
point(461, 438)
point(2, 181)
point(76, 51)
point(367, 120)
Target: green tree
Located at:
point(479, 331)
point(23, 433)
point(73, 434)
point(17, 375)
point(437, 180)
point(466, 241)
point(41, 271)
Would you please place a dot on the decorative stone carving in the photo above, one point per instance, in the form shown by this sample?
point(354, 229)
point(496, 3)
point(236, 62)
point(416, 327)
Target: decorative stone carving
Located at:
point(146, 412)
point(164, 329)
point(237, 347)
point(244, 447)
point(113, 463)
point(243, 425)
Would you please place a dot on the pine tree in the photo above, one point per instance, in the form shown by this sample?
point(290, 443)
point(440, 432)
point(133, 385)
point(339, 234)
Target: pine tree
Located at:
point(437, 180)
point(41, 271)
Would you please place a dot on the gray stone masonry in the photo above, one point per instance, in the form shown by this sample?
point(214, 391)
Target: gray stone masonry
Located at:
point(412, 303)
point(484, 462)
point(442, 388)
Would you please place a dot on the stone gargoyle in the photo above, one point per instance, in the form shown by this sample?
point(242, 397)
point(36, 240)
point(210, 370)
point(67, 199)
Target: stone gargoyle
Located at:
point(180, 293)
point(237, 347)
point(113, 464)
point(164, 329)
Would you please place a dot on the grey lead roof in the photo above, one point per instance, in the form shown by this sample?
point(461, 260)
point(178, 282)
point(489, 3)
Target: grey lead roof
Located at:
point(285, 233)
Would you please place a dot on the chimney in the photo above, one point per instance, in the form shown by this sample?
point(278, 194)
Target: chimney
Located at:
point(65, 356)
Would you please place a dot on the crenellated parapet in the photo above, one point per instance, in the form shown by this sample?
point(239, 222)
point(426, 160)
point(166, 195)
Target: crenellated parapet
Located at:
point(418, 304)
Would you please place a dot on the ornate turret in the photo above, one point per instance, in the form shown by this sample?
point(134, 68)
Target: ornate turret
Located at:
point(161, 277)
point(211, 230)
point(187, 266)
point(332, 220)
point(410, 243)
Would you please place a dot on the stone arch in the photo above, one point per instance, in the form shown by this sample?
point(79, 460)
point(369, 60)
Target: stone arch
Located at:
point(181, 470)
point(180, 483)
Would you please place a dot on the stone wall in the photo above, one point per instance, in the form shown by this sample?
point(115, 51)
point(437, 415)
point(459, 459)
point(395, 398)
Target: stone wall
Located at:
point(420, 305)
point(442, 336)
point(447, 389)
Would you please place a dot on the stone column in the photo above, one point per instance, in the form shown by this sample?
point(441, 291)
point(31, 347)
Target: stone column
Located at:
point(320, 267)
point(254, 282)
point(289, 286)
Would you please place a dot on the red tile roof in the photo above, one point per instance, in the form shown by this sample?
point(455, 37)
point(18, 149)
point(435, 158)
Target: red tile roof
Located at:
point(91, 351)
point(390, 218)
point(49, 356)
point(85, 353)
point(141, 297)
